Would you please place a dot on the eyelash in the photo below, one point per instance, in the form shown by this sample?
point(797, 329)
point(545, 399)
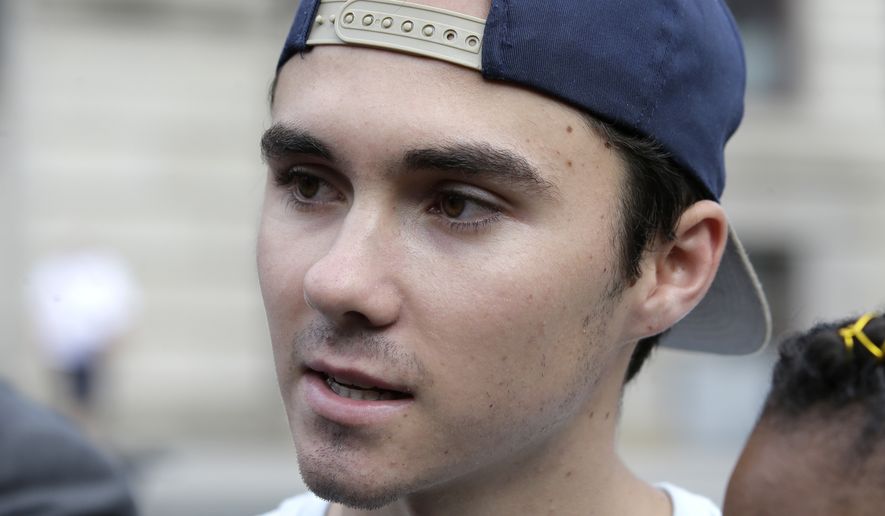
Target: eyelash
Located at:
point(474, 226)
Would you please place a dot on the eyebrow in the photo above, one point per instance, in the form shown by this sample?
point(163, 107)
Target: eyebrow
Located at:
point(282, 140)
point(481, 160)
point(469, 159)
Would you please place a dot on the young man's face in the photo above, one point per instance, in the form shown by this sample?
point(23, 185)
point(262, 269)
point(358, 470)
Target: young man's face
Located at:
point(447, 239)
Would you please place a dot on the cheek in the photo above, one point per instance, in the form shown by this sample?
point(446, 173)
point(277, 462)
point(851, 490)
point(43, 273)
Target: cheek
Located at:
point(276, 277)
point(498, 392)
point(510, 313)
point(518, 340)
point(281, 268)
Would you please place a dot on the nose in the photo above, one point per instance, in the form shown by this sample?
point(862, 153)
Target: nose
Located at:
point(354, 282)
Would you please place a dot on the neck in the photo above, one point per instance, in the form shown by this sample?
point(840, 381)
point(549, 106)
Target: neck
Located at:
point(574, 471)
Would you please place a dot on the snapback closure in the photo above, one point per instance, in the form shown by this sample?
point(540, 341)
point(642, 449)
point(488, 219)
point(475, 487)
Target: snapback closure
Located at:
point(401, 26)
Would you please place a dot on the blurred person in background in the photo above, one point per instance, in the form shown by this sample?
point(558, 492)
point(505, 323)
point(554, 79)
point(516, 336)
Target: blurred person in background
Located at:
point(48, 468)
point(462, 258)
point(817, 448)
point(83, 303)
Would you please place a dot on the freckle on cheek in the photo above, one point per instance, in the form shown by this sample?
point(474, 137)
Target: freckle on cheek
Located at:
point(569, 129)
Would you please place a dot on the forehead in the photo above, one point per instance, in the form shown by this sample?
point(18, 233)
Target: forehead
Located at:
point(409, 90)
point(373, 104)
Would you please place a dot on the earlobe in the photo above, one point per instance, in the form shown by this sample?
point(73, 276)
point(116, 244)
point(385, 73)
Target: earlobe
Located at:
point(677, 273)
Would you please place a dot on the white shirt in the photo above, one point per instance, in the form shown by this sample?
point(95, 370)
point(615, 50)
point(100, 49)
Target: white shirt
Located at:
point(688, 504)
point(684, 504)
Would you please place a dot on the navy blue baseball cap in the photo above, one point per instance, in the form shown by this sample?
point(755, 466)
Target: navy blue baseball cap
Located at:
point(669, 70)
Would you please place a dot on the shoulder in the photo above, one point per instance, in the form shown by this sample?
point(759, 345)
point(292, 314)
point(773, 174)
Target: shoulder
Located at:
point(305, 504)
point(688, 504)
point(49, 466)
point(41, 442)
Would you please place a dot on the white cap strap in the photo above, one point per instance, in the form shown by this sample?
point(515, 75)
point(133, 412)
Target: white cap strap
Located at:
point(397, 25)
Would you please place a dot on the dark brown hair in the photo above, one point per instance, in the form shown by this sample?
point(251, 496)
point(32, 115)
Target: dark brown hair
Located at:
point(654, 195)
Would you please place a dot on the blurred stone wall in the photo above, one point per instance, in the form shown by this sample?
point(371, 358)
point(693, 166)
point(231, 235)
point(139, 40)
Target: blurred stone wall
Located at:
point(10, 245)
point(137, 127)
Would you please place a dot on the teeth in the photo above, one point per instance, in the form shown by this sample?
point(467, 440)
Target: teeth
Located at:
point(360, 393)
point(351, 384)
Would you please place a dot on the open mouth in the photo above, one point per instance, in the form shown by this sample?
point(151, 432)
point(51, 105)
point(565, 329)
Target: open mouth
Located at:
point(362, 392)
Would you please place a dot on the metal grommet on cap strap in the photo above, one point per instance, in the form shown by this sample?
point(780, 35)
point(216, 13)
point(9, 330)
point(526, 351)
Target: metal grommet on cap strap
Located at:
point(390, 24)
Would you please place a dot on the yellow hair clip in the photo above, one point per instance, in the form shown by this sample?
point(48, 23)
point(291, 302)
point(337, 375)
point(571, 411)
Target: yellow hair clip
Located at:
point(855, 331)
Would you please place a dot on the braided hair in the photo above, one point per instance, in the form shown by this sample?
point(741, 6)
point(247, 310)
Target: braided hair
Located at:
point(825, 372)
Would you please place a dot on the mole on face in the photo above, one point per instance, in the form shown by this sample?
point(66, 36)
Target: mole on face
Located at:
point(569, 129)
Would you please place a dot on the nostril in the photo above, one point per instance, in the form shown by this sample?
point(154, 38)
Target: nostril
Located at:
point(357, 319)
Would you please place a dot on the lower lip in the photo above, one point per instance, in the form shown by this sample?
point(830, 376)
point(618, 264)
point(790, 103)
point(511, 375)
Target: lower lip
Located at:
point(345, 411)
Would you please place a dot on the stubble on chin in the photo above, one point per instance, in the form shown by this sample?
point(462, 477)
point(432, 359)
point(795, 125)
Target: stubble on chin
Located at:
point(326, 472)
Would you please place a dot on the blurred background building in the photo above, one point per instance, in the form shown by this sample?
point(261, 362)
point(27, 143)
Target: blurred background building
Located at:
point(133, 125)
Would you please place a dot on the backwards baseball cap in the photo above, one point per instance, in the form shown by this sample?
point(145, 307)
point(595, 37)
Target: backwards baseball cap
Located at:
point(669, 70)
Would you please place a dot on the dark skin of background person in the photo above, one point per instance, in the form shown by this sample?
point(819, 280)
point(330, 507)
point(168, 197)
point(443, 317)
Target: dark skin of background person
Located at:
point(817, 448)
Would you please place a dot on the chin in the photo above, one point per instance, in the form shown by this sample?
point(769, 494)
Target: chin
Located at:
point(348, 467)
point(339, 470)
point(339, 485)
point(330, 489)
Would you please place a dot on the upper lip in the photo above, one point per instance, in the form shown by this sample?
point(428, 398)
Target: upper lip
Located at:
point(353, 376)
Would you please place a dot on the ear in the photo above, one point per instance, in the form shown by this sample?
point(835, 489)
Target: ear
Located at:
point(676, 274)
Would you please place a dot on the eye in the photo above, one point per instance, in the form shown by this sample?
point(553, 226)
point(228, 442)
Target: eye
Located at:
point(307, 191)
point(464, 212)
point(453, 205)
point(307, 187)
